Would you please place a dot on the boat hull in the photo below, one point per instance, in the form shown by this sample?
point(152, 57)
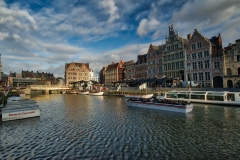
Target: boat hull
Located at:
point(9, 115)
point(162, 106)
point(83, 93)
point(138, 96)
point(96, 94)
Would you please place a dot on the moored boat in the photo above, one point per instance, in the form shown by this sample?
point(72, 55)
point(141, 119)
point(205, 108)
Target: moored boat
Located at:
point(18, 108)
point(210, 97)
point(165, 105)
point(138, 96)
point(95, 93)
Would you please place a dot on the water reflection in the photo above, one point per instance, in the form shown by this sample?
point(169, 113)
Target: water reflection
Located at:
point(101, 127)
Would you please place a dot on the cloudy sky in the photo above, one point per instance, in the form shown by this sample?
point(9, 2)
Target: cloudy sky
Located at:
point(43, 35)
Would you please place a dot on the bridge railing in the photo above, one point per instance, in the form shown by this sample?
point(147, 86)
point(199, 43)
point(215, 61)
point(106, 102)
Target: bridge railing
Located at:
point(48, 87)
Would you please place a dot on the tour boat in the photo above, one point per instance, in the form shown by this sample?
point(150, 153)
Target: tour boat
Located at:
point(165, 105)
point(138, 96)
point(95, 93)
point(18, 108)
point(86, 92)
point(210, 97)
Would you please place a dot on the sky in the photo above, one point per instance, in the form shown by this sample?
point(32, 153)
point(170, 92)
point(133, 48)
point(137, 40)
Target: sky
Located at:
point(44, 35)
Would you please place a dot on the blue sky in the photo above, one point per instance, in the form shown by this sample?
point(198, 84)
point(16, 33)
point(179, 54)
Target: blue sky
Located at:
point(43, 35)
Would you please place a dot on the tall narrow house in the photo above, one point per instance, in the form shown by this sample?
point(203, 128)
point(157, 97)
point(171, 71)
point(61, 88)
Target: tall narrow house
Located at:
point(174, 55)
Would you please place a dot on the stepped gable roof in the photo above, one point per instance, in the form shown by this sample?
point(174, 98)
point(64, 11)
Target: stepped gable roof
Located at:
point(77, 64)
point(207, 39)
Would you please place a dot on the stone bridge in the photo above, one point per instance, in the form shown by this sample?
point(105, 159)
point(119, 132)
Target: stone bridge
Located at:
point(45, 88)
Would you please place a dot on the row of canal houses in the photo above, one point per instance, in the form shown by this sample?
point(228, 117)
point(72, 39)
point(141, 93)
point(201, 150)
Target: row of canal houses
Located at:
point(196, 58)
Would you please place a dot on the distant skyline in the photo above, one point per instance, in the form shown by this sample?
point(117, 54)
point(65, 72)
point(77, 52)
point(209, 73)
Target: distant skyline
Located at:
point(43, 35)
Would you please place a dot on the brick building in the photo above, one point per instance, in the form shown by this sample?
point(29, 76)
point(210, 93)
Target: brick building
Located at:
point(129, 70)
point(75, 72)
point(114, 72)
point(141, 67)
point(204, 61)
point(232, 65)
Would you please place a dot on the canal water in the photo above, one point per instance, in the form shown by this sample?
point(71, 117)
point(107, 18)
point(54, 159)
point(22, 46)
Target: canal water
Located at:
point(104, 127)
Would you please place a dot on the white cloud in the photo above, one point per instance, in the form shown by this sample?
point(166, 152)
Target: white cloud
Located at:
point(111, 8)
point(147, 25)
point(210, 17)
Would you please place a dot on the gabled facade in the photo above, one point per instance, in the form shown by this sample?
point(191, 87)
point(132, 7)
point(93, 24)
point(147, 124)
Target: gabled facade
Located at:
point(75, 72)
point(129, 70)
point(141, 67)
point(114, 72)
point(174, 55)
point(232, 65)
point(204, 63)
point(102, 75)
point(154, 61)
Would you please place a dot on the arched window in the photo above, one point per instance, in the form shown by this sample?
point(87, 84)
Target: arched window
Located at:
point(229, 72)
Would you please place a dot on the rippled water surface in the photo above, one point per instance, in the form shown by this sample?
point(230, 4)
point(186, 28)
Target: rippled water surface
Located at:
point(103, 127)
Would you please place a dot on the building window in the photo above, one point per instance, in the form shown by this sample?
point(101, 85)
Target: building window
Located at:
point(206, 63)
point(188, 57)
point(172, 56)
point(168, 57)
point(164, 58)
point(194, 64)
point(238, 60)
point(200, 75)
point(199, 44)
point(216, 65)
point(193, 46)
point(169, 66)
point(160, 69)
point(173, 65)
point(176, 46)
point(177, 65)
point(199, 54)
point(194, 56)
point(181, 64)
point(206, 53)
point(195, 76)
point(165, 67)
point(232, 54)
point(176, 55)
point(160, 60)
point(207, 76)
point(181, 54)
point(200, 64)
point(154, 71)
point(229, 72)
